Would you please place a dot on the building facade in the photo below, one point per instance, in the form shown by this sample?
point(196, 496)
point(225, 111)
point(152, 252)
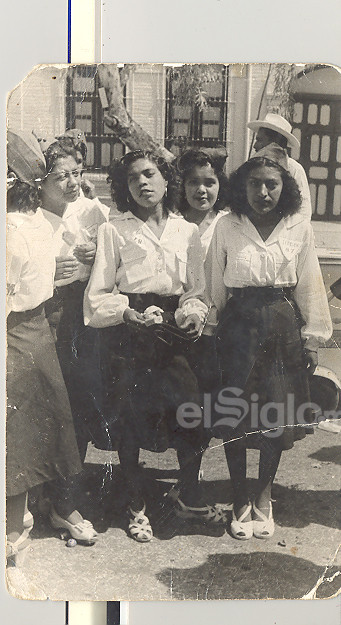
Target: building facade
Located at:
point(53, 98)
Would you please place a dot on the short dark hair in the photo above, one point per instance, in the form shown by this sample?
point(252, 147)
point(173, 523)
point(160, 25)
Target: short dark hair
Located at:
point(118, 179)
point(61, 148)
point(196, 158)
point(290, 199)
point(22, 197)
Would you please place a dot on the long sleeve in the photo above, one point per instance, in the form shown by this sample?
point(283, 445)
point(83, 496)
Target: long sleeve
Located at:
point(194, 298)
point(310, 296)
point(14, 268)
point(103, 304)
point(215, 265)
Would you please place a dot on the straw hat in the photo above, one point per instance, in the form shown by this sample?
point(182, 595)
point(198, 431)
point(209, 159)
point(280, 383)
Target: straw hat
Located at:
point(275, 122)
point(325, 389)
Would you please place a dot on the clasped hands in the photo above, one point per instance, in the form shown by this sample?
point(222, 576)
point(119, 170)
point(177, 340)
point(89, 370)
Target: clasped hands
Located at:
point(137, 321)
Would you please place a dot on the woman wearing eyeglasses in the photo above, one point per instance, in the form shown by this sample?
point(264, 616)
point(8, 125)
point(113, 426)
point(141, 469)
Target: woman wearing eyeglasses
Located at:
point(75, 226)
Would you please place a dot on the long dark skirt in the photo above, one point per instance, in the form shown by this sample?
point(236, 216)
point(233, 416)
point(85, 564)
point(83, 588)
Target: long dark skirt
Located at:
point(41, 443)
point(77, 347)
point(147, 380)
point(262, 363)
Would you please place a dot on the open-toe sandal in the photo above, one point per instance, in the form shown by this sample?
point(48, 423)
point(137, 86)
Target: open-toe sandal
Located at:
point(139, 525)
point(265, 527)
point(13, 548)
point(83, 531)
point(206, 514)
point(240, 529)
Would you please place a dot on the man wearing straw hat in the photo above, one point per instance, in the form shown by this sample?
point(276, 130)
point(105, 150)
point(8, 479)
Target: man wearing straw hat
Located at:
point(275, 129)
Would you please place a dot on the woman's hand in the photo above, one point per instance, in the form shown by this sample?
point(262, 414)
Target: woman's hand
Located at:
point(85, 253)
point(311, 360)
point(133, 319)
point(192, 325)
point(88, 189)
point(66, 266)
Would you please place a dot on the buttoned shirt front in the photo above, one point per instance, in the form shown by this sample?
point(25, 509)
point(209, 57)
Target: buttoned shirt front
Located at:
point(30, 261)
point(238, 258)
point(130, 258)
point(78, 225)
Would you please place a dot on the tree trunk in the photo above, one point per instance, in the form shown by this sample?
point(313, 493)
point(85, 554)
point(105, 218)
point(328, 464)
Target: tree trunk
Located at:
point(117, 118)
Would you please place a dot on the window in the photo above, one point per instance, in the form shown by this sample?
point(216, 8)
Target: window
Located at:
point(84, 111)
point(317, 125)
point(194, 127)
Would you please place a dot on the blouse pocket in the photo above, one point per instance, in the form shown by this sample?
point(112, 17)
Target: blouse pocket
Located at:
point(181, 258)
point(285, 272)
point(241, 268)
point(136, 264)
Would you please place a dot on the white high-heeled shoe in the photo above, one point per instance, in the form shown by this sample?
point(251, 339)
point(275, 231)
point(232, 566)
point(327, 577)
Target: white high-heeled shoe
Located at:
point(266, 527)
point(240, 529)
point(83, 531)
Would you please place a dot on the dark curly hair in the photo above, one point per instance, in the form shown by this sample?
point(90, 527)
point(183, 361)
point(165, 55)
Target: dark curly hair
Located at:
point(197, 158)
point(118, 179)
point(22, 197)
point(67, 143)
point(59, 149)
point(290, 199)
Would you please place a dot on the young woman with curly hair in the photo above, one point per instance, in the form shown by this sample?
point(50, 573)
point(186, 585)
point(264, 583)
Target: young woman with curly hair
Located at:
point(149, 268)
point(204, 187)
point(268, 294)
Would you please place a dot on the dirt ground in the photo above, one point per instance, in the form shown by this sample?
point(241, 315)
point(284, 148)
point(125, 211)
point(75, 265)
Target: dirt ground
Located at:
point(187, 560)
point(192, 561)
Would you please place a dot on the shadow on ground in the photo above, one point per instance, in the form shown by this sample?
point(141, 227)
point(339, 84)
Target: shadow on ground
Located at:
point(328, 454)
point(248, 576)
point(103, 501)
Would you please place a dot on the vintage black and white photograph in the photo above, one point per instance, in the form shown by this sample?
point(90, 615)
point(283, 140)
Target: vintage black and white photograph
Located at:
point(174, 332)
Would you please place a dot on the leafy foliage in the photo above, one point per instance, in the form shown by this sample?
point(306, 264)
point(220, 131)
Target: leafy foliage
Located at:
point(189, 83)
point(282, 100)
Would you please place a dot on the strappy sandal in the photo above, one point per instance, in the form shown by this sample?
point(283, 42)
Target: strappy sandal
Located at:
point(239, 529)
point(13, 549)
point(266, 527)
point(206, 514)
point(139, 526)
point(83, 531)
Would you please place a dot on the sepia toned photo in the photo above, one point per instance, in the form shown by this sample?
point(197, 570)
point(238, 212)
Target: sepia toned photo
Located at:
point(174, 332)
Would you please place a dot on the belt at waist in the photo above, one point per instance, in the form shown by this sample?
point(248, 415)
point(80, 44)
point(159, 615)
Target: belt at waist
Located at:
point(266, 294)
point(141, 301)
point(15, 318)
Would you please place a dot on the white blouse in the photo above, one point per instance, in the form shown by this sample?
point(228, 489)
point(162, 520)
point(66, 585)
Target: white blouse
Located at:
point(131, 259)
point(79, 224)
point(30, 261)
point(238, 257)
point(207, 227)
